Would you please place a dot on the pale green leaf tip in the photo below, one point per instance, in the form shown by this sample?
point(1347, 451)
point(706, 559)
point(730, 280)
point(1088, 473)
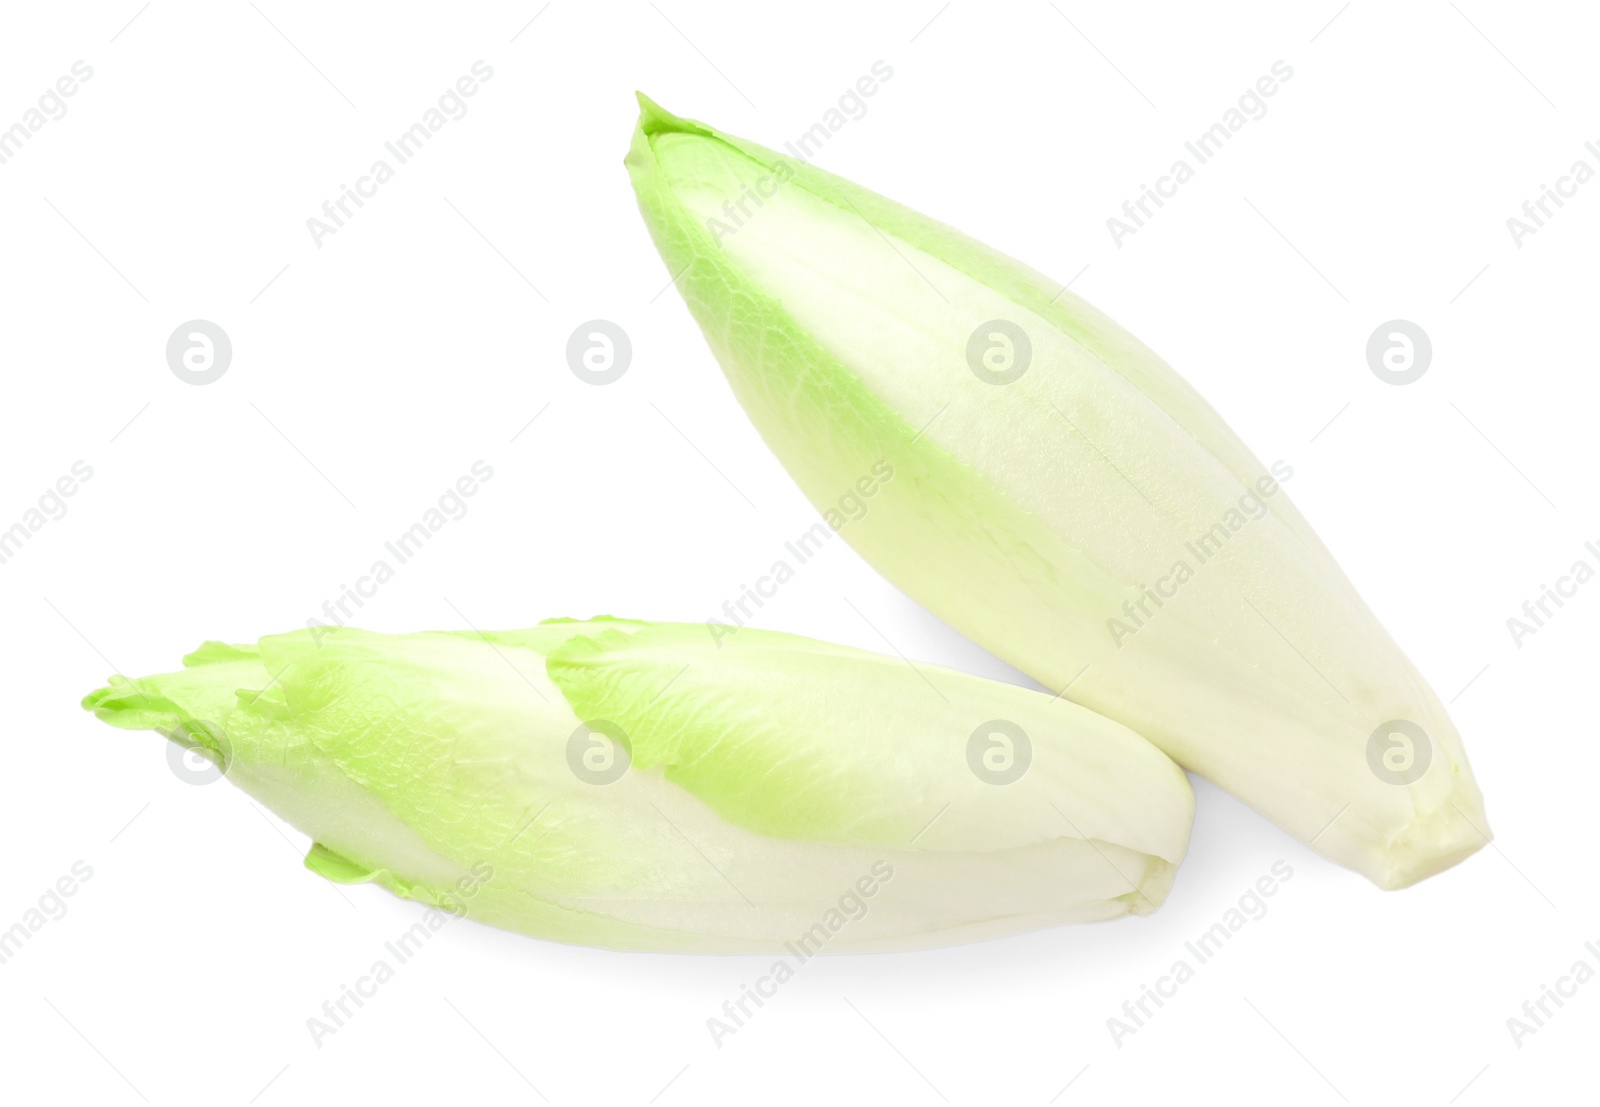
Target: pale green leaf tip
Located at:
point(655, 119)
point(127, 704)
point(104, 701)
point(336, 867)
point(141, 705)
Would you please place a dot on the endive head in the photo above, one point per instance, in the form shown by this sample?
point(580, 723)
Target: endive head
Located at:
point(641, 785)
point(1061, 496)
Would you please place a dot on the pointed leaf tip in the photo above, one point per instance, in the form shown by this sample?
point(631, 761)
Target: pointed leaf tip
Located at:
point(655, 119)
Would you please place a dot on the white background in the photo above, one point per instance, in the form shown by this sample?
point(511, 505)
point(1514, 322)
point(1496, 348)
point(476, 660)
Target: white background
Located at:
point(372, 371)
